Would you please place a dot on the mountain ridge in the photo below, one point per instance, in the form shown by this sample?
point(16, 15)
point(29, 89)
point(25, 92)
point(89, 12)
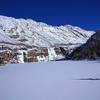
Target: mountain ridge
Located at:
point(32, 33)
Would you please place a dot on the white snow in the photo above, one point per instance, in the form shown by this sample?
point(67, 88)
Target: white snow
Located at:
point(51, 54)
point(42, 58)
point(6, 39)
point(20, 55)
point(41, 34)
point(50, 81)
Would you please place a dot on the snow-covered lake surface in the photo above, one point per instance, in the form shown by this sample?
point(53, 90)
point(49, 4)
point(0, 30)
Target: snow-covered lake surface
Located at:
point(51, 81)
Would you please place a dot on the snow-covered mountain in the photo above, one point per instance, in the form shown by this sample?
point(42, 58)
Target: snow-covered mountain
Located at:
point(30, 32)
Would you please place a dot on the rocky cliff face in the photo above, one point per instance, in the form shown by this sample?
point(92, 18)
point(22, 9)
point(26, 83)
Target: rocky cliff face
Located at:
point(89, 50)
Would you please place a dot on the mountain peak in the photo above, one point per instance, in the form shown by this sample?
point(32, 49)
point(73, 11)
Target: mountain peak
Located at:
point(30, 32)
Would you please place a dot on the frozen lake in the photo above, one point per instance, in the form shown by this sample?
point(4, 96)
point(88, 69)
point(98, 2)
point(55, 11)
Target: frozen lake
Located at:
point(65, 80)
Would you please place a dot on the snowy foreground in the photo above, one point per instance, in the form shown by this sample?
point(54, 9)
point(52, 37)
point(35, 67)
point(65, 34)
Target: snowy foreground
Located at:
point(65, 80)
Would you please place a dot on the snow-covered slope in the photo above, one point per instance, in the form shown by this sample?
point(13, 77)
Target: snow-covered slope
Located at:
point(5, 38)
point(68, 80)
point(40, 34)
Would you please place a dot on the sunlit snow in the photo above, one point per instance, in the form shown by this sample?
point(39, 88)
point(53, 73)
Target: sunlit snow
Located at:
point(40, 34)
